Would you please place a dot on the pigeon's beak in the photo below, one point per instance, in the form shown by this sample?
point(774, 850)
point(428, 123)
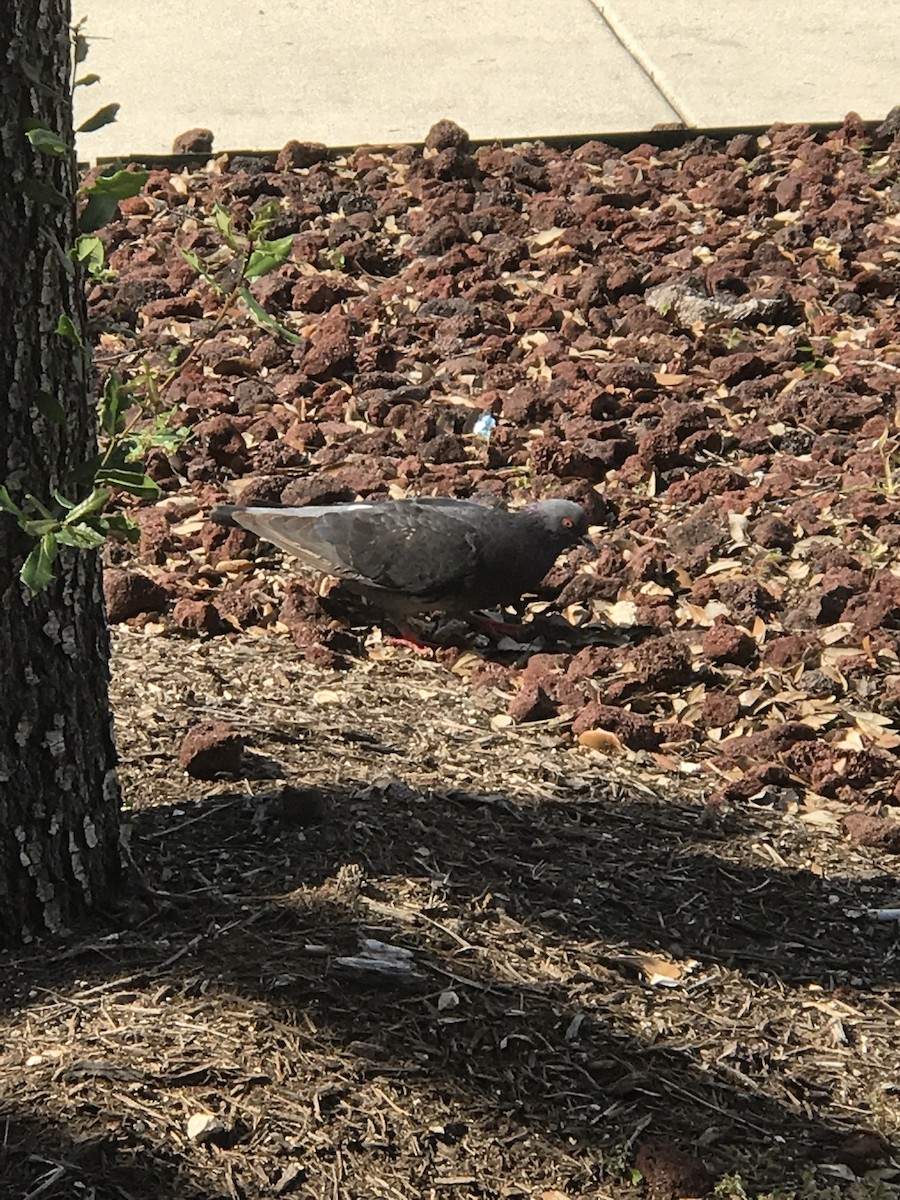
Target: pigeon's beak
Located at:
point(588, 541)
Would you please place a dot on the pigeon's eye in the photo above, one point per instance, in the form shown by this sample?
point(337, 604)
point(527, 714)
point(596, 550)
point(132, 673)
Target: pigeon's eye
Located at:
point(568, 523)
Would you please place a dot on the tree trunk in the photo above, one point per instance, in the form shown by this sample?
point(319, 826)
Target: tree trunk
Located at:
point(59, 800)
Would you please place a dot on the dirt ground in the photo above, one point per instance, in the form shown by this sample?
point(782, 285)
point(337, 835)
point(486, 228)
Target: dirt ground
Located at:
point(599, 911)
point(603, 974)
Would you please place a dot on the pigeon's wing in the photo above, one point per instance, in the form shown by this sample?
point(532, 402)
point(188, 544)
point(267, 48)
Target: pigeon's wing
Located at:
point(291, 529)
point(428, 551)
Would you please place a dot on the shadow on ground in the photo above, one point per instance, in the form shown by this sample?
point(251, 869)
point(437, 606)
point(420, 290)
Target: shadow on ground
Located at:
point(530, 1044)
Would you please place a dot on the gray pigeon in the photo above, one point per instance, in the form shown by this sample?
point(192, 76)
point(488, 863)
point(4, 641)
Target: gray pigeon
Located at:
point(424, 555)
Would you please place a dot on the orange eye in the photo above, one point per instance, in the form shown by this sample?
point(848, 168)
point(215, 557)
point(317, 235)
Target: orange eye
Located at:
point(568, 523)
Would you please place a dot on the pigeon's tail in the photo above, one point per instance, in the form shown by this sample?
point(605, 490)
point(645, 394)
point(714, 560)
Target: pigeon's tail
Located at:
point(291, 529)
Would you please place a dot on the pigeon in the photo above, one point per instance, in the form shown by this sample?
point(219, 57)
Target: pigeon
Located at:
point(431, 554)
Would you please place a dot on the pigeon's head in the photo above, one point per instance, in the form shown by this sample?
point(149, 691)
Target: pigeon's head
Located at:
point(564, 522)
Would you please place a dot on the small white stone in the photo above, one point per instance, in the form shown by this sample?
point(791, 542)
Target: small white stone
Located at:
point(204, 1127)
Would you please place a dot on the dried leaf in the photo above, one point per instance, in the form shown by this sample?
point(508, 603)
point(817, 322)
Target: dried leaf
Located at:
point(661, 973)
point(602, 740)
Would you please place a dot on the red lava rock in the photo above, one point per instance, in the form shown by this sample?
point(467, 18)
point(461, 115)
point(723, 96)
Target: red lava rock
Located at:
point(725, 644)
point(733, 368)
point(769, 742)
point(837, 587)
point(401, 352)
point(531, 704)
point(160, 470)
point(224, 542)
point(194, 141)
point(636, 731)
point(593, 662)
point(671, 1173)
point(773, 533)
point(156, 535)
point(221, 440)
point(332, 348)
point(677, 733)
point(446, 135)
point(275, 293)
point(196, 616)
point(751, 783)
point(317, 489)
point(695, 533)
point(747, 599)
point(541, 667)
point(710, 482)
point(656, 612)
point(296, 156)
point(314, 294)
point(719, 710)
point(869, 613)
point(129, 593)
point(244, 605)
point(662, 665)
point(864, 829)
point(490, 675)
point(584, 587)
point(445, 448)
point(211, 748)
point(788, 650)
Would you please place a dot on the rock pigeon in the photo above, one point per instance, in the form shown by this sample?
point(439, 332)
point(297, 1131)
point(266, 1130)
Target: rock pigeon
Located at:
point(431, 554)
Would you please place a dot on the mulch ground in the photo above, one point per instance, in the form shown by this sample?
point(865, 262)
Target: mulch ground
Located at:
point(588, 912)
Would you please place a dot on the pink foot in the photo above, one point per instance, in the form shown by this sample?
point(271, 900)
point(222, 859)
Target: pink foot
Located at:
point(411, 642)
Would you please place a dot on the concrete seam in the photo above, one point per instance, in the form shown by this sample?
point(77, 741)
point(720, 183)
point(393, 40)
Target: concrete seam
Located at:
point(634, 52)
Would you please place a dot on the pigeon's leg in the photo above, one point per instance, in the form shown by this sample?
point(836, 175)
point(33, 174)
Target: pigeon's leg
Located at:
point(437, 634)
point(498, 628)
point(411, 641)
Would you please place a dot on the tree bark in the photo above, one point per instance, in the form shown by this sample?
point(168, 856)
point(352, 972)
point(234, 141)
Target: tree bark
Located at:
point(59, 799)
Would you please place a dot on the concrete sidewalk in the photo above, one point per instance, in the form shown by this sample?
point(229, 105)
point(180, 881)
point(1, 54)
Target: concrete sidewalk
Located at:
point(351, 71)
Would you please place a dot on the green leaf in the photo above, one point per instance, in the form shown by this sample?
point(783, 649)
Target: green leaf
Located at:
point(37, 529)
point(120, 525)
point(137, 483)
point(50, 408)
point(94, 503)
point(98, 211)
point(40, 507)
point(266, 321)
point(43, 193)
point(194, 260)
point(46, 141)
point(83, 537)
point(7, 504)
point(113, 406)
point(268, 256)
point(103, 116)
point(87, 80)
point(65, 327)
point(90, 252)
point(225, 225)
point(104, 195)
point(37, 569)
point(120, 184)
point(264, 216)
